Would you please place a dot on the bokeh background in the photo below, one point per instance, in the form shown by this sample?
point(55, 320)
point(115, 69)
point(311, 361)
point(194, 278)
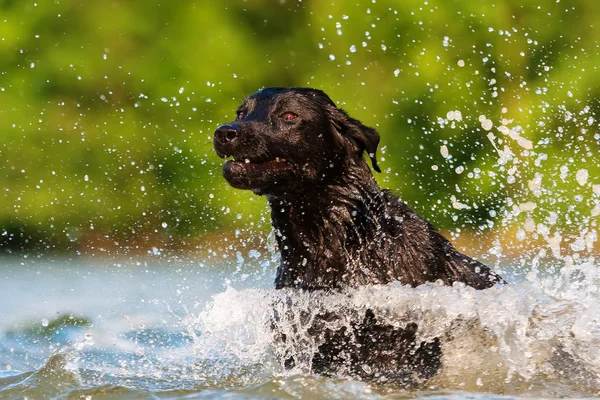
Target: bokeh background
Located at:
point(487, 112)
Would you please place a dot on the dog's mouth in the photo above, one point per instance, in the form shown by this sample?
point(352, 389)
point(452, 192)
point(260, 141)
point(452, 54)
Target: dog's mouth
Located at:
point(256, 173)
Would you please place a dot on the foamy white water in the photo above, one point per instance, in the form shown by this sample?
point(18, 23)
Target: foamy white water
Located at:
point(513, 336)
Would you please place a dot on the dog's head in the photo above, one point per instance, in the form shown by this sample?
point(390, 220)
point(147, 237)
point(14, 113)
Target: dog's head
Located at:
point(284, 140)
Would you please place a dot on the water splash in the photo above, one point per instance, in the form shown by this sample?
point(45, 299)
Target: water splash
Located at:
point(500, 339)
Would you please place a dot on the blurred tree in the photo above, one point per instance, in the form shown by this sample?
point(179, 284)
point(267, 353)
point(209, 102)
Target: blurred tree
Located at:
point(107, 108)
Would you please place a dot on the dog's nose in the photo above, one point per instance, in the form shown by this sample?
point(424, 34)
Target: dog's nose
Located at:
point(227, 133)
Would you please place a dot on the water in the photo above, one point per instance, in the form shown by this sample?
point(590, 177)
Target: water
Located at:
point(183, 329)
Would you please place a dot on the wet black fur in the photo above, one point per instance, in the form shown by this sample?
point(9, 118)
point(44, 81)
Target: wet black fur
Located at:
point(335, 226)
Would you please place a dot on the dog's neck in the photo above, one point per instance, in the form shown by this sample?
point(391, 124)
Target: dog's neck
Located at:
point(321, 232)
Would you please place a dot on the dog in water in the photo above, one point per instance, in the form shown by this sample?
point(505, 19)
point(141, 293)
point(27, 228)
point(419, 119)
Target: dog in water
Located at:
point(336, 228)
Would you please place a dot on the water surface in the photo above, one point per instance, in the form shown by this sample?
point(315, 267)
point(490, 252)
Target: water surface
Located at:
point(185, 329)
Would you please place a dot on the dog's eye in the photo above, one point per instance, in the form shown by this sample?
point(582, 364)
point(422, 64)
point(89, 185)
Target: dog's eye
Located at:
point(288, 116)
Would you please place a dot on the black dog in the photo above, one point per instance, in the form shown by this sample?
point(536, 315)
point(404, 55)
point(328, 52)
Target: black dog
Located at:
point(336, 227)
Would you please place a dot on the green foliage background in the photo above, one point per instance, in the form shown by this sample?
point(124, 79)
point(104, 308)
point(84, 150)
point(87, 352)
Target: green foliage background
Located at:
point(107, 108)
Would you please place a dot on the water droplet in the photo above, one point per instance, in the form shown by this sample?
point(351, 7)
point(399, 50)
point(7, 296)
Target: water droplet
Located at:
point(444, 151)
point(487, 124)
point(582, 176)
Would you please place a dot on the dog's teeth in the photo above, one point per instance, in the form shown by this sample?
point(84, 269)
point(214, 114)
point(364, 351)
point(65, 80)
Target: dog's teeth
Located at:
point(247, 161)
point(277, 159)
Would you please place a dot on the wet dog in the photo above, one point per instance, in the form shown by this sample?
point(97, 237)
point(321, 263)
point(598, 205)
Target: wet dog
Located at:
point(336, 228)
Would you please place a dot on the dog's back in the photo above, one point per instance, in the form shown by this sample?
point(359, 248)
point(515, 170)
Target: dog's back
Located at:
point(370, 238)
point(426, 256)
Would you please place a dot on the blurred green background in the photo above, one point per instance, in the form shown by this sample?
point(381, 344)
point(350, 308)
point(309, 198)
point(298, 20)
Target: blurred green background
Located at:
point(107, 110)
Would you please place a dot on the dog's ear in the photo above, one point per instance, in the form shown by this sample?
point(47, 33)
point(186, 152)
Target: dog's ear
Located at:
point(365, 138)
